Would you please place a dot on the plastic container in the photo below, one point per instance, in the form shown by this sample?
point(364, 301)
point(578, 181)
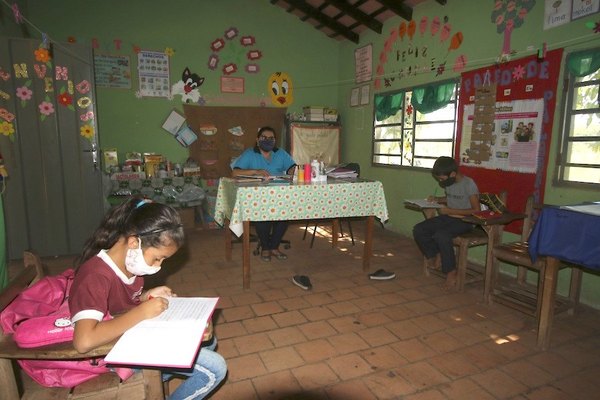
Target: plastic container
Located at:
point(315, 170)
point(307, 173)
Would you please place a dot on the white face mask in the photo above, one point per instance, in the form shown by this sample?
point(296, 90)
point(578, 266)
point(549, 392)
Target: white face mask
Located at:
point(136, 264)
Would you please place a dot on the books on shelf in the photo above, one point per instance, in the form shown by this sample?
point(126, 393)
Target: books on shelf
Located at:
point(171, 339)
point(424, 203)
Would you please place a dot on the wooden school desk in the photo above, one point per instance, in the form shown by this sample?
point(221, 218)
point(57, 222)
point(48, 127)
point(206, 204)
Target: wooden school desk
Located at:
point(239, 204)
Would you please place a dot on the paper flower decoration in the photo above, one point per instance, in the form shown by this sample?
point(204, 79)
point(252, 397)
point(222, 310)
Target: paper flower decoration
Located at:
point(217, 45)
point(229, 69)
point(7, 128)
point(87, 131)
point(169, 52)
point(65, 99)
point(24, 93)
point(247, 41)
point(46, 108)
point(231, 33)
point(42, 55)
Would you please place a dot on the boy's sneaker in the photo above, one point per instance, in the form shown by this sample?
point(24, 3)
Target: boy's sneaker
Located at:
point(382, 275)
point(302, 281)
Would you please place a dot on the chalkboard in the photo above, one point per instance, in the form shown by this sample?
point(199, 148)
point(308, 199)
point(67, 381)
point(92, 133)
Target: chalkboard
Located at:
point(112, 71)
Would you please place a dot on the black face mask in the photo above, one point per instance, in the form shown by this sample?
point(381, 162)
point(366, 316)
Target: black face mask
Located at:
point(448, 182)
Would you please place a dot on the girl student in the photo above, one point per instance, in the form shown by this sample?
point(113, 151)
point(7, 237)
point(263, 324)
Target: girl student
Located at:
point(133, 240)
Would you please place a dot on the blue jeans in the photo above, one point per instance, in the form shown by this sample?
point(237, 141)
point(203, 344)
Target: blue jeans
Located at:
point(209, 370)
point(434, 235)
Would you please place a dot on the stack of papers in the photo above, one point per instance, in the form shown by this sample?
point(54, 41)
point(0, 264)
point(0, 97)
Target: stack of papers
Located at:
point(342, 173)
point(424, 203)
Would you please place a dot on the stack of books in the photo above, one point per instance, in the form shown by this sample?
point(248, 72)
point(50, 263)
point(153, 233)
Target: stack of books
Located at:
point(314, 113)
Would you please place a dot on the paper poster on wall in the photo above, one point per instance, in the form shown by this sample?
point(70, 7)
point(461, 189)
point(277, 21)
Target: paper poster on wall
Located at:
point(515, 138)
point(557, 13)
point(232, 85)
point(583, 8)
point(354, 97)
point(365, 94)
point(112, 71)
point(363, 63)
point(153, 74)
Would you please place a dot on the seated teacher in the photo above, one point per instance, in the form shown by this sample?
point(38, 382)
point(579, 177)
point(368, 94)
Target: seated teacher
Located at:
point(266, 159)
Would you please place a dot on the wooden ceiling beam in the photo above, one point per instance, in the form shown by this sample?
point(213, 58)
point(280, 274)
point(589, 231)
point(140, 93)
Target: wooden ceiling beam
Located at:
point(399, 8)
point(357, 14)
point(324, 19)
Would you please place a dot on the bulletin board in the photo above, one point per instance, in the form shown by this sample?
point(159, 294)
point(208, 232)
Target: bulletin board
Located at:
point(525, 97)
point(217, 146)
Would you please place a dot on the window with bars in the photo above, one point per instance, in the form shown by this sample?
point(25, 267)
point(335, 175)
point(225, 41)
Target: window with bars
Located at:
point(405, 137)
point(579, 157)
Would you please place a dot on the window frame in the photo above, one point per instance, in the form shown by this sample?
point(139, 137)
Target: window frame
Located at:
point(570, 86)
point(415, 124)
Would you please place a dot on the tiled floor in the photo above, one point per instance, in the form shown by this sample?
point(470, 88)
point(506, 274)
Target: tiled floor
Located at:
point(351, 338)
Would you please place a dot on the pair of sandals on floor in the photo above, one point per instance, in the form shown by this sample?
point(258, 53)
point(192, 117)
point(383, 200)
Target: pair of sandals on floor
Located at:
point(265, 255)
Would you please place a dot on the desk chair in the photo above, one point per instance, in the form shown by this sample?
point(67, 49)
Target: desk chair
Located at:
point(350, 166)
point(462, 243)
point(517, 293)
point(146, 384)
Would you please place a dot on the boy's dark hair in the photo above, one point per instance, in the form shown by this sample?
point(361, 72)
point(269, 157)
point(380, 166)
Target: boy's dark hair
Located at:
point(266, 129)
point(156, 223)
point(444, 166)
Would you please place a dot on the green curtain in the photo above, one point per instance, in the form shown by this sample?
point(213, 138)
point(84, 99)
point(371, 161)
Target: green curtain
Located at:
point(387, 105)
point(427, 99)
point(584, 63)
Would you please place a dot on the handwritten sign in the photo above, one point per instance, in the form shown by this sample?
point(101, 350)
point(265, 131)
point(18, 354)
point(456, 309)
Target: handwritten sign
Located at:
point(112, 71)
point(363, 60)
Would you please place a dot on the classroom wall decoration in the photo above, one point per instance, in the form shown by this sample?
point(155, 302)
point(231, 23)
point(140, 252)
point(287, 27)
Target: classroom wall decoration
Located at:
point(281, 88)
point(233, 53)
point(521, 135)
point(188, 87)
point(112, 71)
point(561, 12)
point(508, 16)
point(426, 46)
point(153, 74)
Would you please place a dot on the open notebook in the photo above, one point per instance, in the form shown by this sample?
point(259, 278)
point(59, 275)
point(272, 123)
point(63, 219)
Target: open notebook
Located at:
point(170, 340)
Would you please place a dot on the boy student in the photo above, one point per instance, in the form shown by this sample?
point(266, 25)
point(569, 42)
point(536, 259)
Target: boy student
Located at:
point(434, 236)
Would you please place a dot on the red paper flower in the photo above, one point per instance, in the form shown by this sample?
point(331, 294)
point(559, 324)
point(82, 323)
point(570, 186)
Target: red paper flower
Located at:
point(597, 27)
point(229, 69)
point(65, 99)
point(247, 41)
point(254, 54)
point(217, 45)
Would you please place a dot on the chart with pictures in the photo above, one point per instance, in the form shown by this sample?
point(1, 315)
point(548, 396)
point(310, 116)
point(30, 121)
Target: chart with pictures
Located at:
point(153, 74)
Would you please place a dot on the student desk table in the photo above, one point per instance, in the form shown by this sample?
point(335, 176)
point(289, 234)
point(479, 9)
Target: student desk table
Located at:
point(562, 235)
point(238, 204)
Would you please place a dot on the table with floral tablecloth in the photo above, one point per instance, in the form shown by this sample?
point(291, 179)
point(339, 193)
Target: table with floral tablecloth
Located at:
point(240, 203)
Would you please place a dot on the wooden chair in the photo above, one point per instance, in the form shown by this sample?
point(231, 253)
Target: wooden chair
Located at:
point(518, 294)
point(462, 243)
point(146, 384)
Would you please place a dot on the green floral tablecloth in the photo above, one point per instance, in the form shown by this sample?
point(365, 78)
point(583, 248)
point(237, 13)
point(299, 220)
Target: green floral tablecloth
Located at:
point(273, 202)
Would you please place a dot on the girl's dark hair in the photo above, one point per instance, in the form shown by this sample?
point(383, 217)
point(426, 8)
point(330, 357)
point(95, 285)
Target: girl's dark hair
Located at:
point(444, 166)
point(158, 225)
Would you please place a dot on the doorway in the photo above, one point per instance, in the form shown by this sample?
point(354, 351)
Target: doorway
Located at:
point(53, 199)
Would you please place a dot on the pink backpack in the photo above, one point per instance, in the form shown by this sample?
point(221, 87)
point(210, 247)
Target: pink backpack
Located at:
point(40, 316)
